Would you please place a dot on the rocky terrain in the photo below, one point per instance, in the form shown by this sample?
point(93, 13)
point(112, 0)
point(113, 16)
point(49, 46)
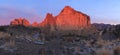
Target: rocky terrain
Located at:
point(21, 40)
point(68, 33)
point(20, 21)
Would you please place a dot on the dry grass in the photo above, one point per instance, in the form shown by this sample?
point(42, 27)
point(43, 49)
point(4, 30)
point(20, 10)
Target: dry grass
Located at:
point(9, 40)
point(101, 43)
point(104, 51)
point(117, 50)
point(4, 35)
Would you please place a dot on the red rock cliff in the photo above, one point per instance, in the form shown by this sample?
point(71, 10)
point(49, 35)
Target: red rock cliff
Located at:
point(49, 21)
point(67, 19)
point(72, 19)
point(20, 21)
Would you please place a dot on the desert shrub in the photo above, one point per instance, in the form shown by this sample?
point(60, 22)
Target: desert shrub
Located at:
point(117, 50)
point(117, 30)
point(3, 28)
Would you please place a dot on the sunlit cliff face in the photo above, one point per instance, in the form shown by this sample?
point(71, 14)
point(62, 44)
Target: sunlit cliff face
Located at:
point(68, 18)
point(20, 21)
point(35, 24)
point(49, 20)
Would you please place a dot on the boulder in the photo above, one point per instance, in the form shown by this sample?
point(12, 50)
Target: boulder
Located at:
point(20, 21)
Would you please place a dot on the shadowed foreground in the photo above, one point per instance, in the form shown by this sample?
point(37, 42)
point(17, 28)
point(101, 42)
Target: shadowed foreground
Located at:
point(100, 39)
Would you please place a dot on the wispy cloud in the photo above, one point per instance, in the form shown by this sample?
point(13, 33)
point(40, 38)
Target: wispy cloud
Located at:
point(9, 13)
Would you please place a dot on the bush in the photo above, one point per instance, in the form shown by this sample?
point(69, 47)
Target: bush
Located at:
point(117, 50)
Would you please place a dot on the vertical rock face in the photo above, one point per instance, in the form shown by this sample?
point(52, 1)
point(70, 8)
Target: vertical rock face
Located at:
point(49, 21)
point(72, 19)
point(20, 21)
point(67, 19)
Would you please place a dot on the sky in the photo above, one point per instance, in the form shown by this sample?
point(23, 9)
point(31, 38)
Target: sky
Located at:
point(100, 11)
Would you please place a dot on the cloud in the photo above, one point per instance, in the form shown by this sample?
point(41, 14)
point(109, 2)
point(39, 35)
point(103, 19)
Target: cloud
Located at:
point(9, 13)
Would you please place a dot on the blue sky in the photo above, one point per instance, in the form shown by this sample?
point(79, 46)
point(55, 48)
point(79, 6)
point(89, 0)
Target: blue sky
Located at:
point(100, 11)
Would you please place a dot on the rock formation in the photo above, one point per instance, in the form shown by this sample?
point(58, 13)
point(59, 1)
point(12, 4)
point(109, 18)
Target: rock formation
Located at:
point(72, 19)
point(67, 19)
point(20, 21)
point(49, 22)
point(35, 24)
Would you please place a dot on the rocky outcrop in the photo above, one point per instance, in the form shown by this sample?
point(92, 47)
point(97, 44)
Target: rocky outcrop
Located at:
point(49, 22)
point(20, 21)
point(35, 24)
point(67, 19)
point(72, 19)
